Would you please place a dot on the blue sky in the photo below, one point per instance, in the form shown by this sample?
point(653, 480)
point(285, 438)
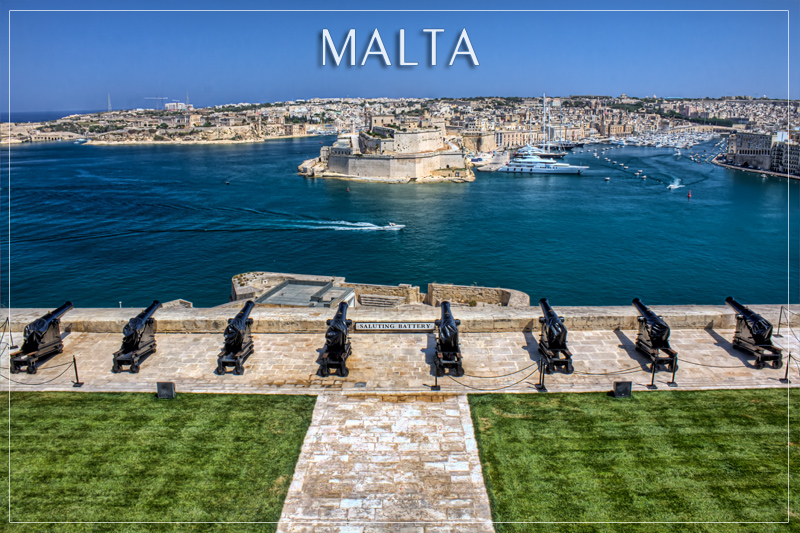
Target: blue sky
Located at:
point(70, 61)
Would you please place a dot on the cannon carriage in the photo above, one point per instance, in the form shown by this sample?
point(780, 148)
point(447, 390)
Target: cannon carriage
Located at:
point(754, 336)
point(337, 345)
point(553, 340)
point(42, 340)
point(238, 342)
point(448, 348)
point(139, 340)
point(653, 341)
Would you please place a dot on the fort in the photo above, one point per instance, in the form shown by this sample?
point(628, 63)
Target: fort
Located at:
point(389, 152)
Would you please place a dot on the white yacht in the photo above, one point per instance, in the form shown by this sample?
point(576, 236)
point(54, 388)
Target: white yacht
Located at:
point(536, 165)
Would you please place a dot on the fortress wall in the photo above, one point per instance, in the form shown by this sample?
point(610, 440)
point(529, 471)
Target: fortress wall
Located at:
point(473, 319)
point(417, 141)
point(467, 293)
point(410, 293)
point(385, 166)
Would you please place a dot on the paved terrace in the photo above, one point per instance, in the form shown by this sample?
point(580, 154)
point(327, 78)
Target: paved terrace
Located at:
point(494, 342)
point(384, 453)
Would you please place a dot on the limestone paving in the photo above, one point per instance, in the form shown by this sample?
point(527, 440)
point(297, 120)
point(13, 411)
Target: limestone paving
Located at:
point(400, 362)
point(399, 464)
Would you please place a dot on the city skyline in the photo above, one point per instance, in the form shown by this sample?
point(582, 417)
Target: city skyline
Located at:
point(231, 57)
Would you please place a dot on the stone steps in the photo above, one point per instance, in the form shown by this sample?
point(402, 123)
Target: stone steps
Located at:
point(380, 300)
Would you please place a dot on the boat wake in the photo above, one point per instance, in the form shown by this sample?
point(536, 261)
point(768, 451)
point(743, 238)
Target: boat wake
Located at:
point(344, 225)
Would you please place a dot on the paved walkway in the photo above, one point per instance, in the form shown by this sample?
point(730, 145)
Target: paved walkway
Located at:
point(371, 465)
point(285, 364)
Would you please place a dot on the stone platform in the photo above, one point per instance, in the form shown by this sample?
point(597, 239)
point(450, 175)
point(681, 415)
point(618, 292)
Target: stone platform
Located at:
point(370, 465)
point(399, 363)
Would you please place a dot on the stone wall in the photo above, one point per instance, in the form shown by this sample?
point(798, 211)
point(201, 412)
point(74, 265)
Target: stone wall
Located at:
point(473, 319)
point(467, 293)
point(417, 141)
point(410, 293)
point(393, 166)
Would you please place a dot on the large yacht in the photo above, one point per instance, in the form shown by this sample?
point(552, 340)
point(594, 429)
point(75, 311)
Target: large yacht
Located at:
point(532, 164)
point(535, 151)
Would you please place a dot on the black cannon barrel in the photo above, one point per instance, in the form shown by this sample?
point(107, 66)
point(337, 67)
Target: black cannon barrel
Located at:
point(760, 327)
point(645, 311)
point(40, 325)
point(549, 313)
point(739, 308)
point(152, 308)
point(341, 312)
point(57, 313)
point(245, 312)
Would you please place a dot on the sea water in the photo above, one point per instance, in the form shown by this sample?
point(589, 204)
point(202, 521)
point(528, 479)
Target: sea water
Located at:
point(99, 225)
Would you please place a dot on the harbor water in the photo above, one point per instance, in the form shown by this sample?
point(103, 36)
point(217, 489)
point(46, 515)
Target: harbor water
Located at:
point(99, 225)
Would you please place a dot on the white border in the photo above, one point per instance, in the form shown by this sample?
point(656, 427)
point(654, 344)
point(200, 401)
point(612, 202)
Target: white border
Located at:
point(411, 523)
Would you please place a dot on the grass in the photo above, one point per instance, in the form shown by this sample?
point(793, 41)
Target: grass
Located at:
point(716, 456)
point(131, 457)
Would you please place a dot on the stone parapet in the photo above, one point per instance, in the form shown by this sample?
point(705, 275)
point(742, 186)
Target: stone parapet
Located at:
point(465, 294)
point(473, 319)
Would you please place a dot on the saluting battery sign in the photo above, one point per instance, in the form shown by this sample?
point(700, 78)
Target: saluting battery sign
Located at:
point(394, 326)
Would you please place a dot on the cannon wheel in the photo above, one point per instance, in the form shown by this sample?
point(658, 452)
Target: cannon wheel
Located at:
point(458, 372)
point(238, 369)
point(31, 367)
point(115, 368)
point(777, 363)
point(134, 368)
point(570, 368)
point(14, 368)
point(343, 371)
point(759, 365)
point(220, 369)
point(323, 371)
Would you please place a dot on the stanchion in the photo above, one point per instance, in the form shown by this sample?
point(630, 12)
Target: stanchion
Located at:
point(436, 386)
point(785, 378)
point(674, 368)
point(540, 386)
point(652, 385)
point(77, 382)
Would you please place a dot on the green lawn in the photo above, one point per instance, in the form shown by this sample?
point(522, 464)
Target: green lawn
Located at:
point(668, 456)
point(132, 457)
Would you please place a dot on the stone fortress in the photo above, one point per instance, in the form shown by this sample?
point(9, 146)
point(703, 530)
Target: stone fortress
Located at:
point(387, 152)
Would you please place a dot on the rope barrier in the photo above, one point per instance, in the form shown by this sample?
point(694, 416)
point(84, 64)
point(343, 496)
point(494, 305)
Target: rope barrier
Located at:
point(502, 376)
point(500, 388)
point(35, 384)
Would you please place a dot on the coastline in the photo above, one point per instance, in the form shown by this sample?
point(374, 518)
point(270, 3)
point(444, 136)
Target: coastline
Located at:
point(754, 171)
point(214, 141)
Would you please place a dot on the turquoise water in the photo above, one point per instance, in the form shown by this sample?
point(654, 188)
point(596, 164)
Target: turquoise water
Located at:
point(98, 225)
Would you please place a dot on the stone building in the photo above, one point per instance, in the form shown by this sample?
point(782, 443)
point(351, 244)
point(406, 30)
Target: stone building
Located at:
point(750, 149)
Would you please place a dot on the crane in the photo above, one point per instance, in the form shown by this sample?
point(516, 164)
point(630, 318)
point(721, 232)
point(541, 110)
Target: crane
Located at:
point(157, 99)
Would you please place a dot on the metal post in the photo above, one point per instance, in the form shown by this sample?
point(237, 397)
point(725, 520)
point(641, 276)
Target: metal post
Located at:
point(780, 316)
point(674, 368)
point(77, 382)
point(652, 385)
point(436, 386)
point(542, 371)
point(785, 378)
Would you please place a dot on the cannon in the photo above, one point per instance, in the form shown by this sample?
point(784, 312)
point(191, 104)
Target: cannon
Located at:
point(238, 341)
point(139, 340)
point(754, 336)
point(448, 349)
point(553, 340)
point(337, 345)
point(42, 340)
point(653, 341)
